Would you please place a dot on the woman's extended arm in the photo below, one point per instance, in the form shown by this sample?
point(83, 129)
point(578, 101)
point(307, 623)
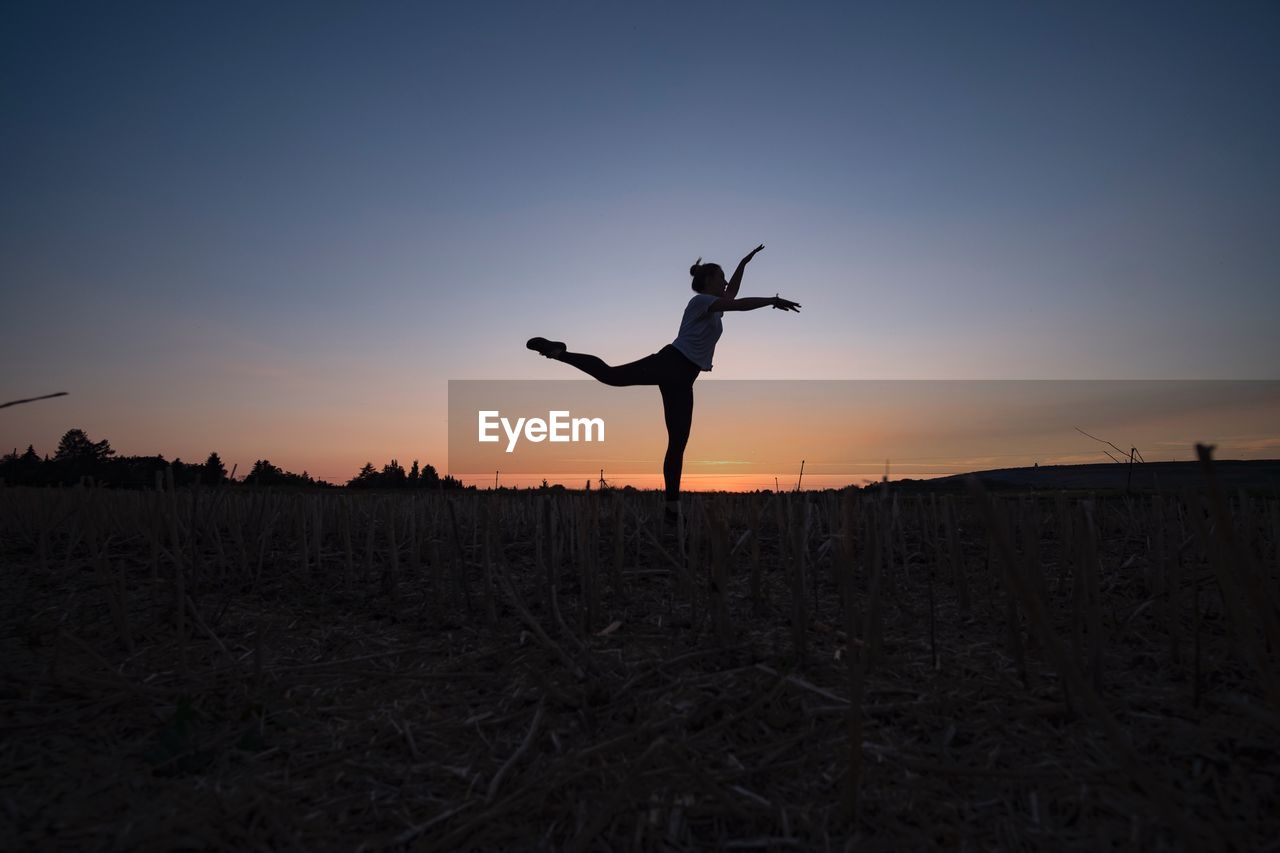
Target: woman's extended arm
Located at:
point(751, 303)
point(734, 283)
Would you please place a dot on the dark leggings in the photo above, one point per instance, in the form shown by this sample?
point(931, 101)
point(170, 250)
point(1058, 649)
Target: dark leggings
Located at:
point(674, 374)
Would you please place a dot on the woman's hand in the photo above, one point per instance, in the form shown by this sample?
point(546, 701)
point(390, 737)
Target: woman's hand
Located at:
point(784, 304)
point(752, 253)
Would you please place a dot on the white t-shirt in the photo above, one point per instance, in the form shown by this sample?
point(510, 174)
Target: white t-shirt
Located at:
point(699, 330)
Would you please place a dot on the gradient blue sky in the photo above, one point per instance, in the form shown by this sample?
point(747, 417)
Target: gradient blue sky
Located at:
point(278, 230)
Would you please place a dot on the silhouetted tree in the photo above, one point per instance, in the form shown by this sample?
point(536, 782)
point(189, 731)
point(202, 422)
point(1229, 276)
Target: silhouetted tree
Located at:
point(393, 476)
point(139, 471)
point(76, 446)
point(366, 479)
point(264, 473)
point(76, 458)
point(24, 469)
point(214, 471)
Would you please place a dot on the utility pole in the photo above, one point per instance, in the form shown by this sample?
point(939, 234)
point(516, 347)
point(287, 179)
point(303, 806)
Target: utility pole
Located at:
point(798, 481)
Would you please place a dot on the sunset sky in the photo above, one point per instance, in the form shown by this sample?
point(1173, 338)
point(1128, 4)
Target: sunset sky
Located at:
point(278, 230)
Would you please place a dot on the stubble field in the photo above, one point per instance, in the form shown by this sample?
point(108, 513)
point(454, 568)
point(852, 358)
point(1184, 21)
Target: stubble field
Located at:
point(238, 669)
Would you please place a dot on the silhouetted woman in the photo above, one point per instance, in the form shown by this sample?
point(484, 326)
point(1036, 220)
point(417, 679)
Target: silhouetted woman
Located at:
point(675, 367)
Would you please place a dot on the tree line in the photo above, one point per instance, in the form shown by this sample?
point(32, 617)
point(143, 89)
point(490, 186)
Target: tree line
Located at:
point(79, 459)
point(394, 476)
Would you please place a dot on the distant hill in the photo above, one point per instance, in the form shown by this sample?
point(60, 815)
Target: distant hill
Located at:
point(1232, 474)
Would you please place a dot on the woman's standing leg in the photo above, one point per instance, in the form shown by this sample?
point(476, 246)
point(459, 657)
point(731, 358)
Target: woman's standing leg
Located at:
point(677, 409)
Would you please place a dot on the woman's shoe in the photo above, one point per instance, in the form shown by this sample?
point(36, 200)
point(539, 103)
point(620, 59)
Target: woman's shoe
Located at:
point(550, 349)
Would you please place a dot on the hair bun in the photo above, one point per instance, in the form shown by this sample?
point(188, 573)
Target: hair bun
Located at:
point(697, 266)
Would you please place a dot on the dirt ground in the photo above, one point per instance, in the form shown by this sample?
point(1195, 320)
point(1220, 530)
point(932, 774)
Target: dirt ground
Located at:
point(310, 711)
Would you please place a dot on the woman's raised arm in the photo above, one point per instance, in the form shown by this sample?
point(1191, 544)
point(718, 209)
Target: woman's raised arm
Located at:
point(734, 283)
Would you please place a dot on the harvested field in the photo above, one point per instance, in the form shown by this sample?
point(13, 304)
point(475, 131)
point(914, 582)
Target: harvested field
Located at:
point(237, 669)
